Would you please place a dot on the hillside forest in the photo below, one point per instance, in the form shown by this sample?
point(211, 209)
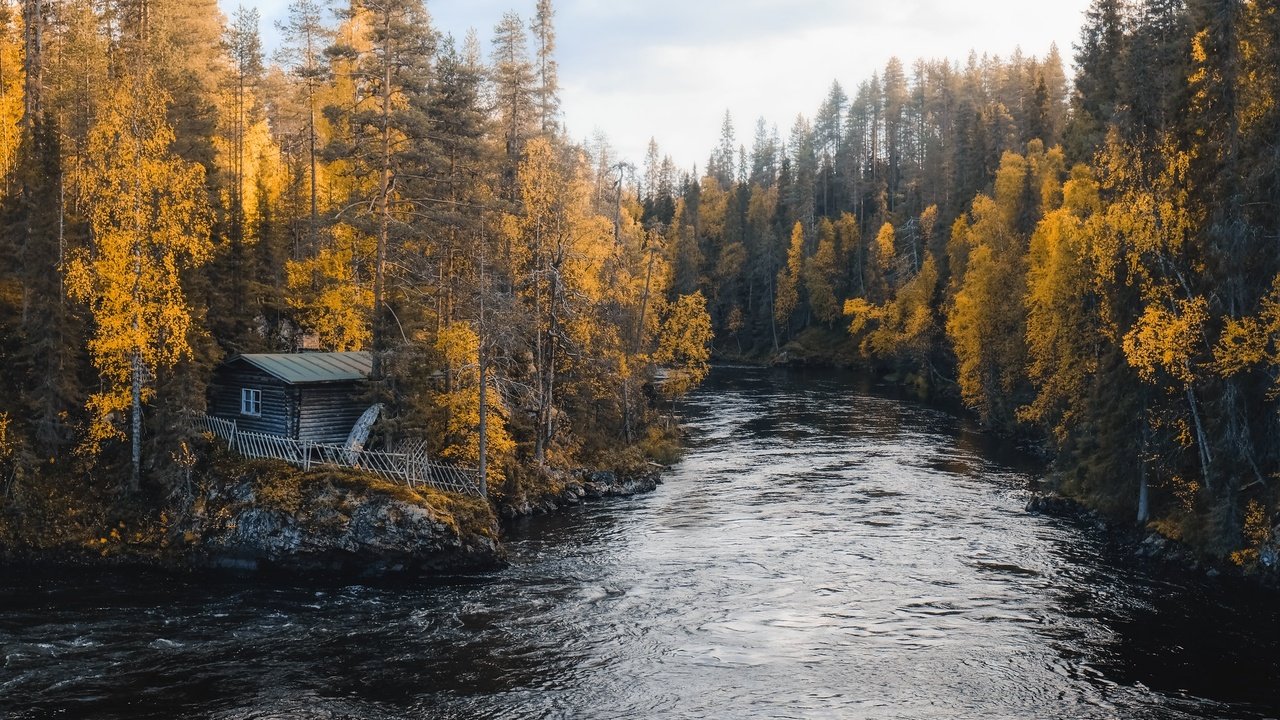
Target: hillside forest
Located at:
point(1090, 264)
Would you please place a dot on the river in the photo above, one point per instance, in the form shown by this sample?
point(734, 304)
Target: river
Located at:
point(825, 549)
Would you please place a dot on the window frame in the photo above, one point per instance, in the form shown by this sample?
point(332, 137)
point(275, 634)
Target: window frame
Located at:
point(251, 402)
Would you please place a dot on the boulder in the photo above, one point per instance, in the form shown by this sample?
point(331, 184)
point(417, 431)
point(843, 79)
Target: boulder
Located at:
point(339, 524)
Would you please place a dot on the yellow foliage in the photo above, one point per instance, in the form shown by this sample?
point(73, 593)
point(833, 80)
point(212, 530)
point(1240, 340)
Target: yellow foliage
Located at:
point(331, 295)
point(150, 221)
point(1253, 341)
point(884, 249)
point(1257, 528)
point(1187, 491)
point(1257, 533)
point(263, 172)
point(862, 314)
point(684, 346)
point(1062, 325)
point(736, 321)
point(1011, 178)
point(11, 91)
point(986, 322)
point(713, 207)
point(459, 347)
point(1165, 339)
point(819, 270)
point(556, 238)
point(1148, 219)
point(788, 291)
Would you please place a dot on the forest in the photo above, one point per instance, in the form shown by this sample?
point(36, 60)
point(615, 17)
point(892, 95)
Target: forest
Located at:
point(1091, 266)
point(172, 198)
point(1088, 263)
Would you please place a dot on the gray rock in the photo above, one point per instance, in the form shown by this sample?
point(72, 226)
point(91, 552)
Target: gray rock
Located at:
point(338, 528)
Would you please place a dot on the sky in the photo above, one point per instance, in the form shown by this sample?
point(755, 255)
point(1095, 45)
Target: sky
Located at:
point(669, 69)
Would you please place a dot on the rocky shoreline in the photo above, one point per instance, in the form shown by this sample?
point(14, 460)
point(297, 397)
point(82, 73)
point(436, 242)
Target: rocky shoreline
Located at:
point(1147, 546)
point(569, 489)
point(268, 519)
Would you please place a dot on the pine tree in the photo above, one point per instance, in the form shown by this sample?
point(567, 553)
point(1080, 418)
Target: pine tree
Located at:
point(828, 132)
point(513, 89)
point(1094, 104)
point(237, 271)
point(548, 100)
point(721, 164)
point(304, 39)
point(388, 127)
point(803, 189)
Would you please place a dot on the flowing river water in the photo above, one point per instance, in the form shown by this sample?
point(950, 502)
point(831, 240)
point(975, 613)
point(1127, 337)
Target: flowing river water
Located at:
point(824, 550)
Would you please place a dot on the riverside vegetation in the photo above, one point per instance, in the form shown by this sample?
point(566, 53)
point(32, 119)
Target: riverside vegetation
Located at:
point(1087, 261)
point(172, 198)
point(1091, 265)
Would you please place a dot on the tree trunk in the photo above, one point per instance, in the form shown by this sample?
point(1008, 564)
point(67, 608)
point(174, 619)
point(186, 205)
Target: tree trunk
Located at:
point(135, 470)
point(539, 350)
point(33, 26)
point(484, 394)
point(484, 418)
point(384, 210)
point(1144, 500)
point(1202, 443)
point(546, 423)
point(311, 150)
point(773, 316)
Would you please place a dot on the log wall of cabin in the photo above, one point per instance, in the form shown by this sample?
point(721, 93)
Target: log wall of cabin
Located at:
point(326, 413)
point(279, 416)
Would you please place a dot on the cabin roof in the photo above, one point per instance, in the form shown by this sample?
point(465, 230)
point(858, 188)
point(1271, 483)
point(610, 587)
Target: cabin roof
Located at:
point(307, 368)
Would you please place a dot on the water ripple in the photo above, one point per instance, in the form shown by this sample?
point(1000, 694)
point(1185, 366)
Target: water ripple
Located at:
point(825, 550)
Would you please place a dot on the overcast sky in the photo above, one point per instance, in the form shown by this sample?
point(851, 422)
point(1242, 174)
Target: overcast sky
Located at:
point(668, 69)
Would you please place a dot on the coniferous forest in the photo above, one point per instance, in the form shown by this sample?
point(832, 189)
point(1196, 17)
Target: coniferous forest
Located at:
point(343, 376)
point(1089, 263)
point(174, 198)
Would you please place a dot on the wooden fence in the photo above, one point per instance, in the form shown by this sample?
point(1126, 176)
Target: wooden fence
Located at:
point(410, 466)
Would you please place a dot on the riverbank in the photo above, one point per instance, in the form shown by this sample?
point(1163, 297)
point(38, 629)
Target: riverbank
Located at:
point(825, 548)
point(1149, 546)
point(266, 517)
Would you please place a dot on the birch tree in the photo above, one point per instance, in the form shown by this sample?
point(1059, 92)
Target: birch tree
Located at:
point(149, 219)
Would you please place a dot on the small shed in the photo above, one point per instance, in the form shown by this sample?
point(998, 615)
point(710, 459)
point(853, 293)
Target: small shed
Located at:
point(317, 397)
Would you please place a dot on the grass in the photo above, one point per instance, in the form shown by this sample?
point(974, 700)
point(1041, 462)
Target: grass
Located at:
point(87, 516)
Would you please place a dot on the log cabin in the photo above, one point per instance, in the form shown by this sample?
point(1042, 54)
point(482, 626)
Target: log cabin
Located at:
point(314, 396)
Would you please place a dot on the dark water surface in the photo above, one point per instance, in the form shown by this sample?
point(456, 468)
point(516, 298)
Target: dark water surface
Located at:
point(824, 550)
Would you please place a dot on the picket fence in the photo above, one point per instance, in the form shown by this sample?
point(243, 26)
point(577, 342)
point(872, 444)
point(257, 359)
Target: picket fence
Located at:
point(411, 466)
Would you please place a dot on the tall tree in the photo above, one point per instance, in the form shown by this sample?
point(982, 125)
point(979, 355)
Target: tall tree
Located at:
point(244, 48)
point(513, 89)
point(544, 34)
point(388, 129)
point(1094, 103)
point(150, 221)
point(304, 39)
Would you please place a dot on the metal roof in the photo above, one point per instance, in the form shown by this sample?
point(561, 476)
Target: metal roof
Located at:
point(304, 368)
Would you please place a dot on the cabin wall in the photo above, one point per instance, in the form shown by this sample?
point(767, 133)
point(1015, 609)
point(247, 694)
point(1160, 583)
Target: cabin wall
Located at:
point(279, 416)
point(326, 413)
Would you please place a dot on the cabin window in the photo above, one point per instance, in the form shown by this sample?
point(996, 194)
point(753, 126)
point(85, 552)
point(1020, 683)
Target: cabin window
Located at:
point(250, 402)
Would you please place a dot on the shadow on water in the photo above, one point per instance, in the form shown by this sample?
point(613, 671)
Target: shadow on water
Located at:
point(828, 547)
